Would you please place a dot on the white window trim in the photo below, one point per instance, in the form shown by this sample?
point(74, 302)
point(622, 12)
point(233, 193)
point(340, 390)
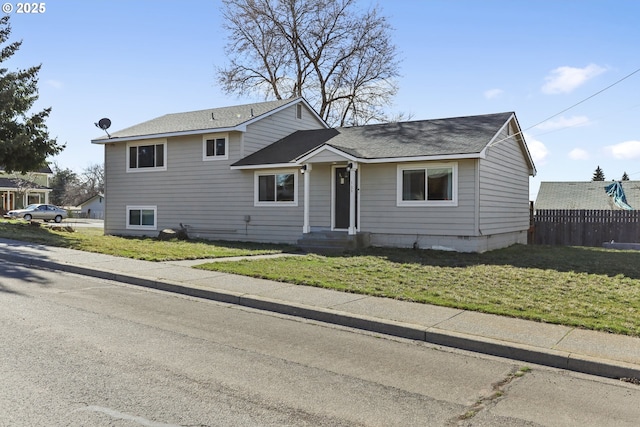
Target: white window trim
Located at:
point(256, 187)
point(142, 227)
point(416, 166)
point(147, 142)
point(215, 136)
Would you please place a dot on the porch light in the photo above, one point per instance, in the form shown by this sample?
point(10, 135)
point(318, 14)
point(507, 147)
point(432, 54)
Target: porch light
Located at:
point(303, 169)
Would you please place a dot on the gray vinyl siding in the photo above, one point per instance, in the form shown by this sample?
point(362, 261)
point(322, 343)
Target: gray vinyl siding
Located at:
point(207, 197)
point(327, 156)
point(215, 202)
point(504, 188)
point(276, 126)
point(379, 212)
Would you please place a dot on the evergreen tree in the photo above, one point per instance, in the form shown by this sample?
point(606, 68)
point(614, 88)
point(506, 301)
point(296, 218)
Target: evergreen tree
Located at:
point(24, 137)
point(598, 175)
point(62, 178)
point(625, 177)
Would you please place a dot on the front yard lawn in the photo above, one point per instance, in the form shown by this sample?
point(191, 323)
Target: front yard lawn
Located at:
point(585, 287)
point(145, 248)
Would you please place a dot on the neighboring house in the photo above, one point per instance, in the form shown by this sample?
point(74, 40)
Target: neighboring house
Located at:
point(19, 190)
point(275, 172)
point(93, 207)
point(584, 214)
point(589, 195)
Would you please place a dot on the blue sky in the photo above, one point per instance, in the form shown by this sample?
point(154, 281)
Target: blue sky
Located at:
point(135, 60)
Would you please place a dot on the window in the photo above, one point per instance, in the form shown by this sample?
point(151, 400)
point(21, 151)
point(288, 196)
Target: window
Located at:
point(215, 147)
point(141, 217)
point(276, 188)
point(143, 157)
point(298, 111)
point(428, 185)
point(34, 198)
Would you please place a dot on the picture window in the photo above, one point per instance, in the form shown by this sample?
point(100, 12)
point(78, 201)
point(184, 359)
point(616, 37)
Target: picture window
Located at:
point(425, 185)
point(276, 188)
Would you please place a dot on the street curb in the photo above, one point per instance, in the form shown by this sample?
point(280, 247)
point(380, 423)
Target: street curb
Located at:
point(515, 351)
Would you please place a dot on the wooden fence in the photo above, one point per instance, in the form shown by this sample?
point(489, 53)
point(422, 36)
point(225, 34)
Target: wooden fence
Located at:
point(585, 227)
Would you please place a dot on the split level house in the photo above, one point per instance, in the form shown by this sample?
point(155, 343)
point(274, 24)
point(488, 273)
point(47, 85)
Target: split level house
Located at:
point(19, 190)
point(276, 172)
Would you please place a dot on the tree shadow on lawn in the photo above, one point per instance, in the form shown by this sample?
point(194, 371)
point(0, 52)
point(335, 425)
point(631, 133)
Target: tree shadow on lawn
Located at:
point(578, 259)
point(32, 232)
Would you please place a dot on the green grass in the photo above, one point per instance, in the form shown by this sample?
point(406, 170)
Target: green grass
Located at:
point(145, 248)
point(576, 286)
point(591, 288)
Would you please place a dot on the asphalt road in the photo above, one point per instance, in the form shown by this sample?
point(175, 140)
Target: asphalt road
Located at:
point(79, 351)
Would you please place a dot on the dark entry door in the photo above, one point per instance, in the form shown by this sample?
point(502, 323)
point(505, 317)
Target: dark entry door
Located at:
point(341, 203)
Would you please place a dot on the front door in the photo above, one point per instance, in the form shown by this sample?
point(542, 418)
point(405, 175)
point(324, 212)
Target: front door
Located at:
point(341, 198)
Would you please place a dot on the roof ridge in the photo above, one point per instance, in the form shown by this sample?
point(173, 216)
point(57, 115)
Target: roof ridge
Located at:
point(201, 120)
point(430, 120)
point(230, 107)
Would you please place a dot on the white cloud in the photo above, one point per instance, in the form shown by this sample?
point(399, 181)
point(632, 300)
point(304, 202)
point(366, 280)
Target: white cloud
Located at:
point(624, 151)
point(566, 79)
point(493, 93)
point(54, 83)
point(564, 122)
point(578, 154)
point(537, 149)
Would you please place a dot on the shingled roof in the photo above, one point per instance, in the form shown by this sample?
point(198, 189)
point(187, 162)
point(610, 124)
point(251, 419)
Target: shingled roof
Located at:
point(201, 121)
point(589, 195)
point(14, 184)
point(461, 136)
point(45, 169)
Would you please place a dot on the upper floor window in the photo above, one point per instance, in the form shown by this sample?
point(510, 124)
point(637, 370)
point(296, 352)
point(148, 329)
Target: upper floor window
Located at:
point(145, 156)
point(298, 111)
point(428, 185)
point(215, 147)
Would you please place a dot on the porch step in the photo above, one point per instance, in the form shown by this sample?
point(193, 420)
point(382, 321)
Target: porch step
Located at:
point(332, 241)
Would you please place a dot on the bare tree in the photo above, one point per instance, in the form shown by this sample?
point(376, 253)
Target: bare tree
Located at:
point(69, 189)
point(340, 58)
point(23, 183)
point(93, 179)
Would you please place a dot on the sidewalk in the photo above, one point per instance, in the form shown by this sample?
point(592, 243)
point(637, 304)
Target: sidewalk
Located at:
point(595, 353)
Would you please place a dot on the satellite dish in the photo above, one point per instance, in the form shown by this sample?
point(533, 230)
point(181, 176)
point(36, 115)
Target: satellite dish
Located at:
point(104, 124)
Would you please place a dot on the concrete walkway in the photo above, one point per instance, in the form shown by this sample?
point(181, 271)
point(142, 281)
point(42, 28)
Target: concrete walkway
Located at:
point(596, 353)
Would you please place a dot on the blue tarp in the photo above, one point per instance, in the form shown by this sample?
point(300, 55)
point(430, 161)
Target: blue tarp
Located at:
point(615, 190)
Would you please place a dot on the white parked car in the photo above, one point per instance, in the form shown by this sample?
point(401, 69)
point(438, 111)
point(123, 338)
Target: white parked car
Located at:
point(39, 211)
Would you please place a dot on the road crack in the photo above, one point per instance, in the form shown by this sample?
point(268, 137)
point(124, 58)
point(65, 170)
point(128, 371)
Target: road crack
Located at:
point(498, 391)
